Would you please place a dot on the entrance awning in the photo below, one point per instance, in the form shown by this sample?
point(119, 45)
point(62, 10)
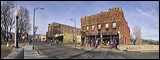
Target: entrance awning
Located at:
point(93, 34)
point(110, 33)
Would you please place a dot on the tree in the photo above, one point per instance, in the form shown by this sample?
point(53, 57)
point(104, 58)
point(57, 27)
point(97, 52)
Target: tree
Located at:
point(24, 25)
point(137, 34)
point(7, 20)
point(132, 39)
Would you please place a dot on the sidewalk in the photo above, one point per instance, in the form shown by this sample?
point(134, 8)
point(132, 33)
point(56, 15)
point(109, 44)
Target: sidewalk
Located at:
point(29, 53)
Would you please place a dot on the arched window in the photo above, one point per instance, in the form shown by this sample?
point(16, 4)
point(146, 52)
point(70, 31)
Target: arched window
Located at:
point(107, 24)
point(87, 28)
point(99, 26)
point(92, 27)
point(114, 25)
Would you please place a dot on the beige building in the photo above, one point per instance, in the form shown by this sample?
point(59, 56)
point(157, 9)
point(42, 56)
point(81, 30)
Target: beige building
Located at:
point(41, 37)
point(68, 32)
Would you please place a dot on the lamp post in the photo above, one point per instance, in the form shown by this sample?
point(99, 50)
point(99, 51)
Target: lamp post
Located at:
point(34, 24)
point(16, 29)
point(75, 29)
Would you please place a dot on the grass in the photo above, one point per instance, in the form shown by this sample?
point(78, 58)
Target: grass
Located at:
point(12, 42)
point(6, 48)
point(5, 51)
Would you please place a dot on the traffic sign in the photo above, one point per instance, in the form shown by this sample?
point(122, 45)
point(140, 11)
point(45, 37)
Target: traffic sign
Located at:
point(35, 29)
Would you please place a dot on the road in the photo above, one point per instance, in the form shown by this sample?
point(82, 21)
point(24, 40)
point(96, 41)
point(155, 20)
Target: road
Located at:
point(62, 52)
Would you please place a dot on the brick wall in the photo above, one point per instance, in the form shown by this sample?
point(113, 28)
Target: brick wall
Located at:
point(113, 15)
point(65, 28)
point(142, 47)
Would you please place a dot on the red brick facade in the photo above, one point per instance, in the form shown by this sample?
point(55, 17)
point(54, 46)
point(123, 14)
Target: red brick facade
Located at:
point(111, 24)
point(60, 29)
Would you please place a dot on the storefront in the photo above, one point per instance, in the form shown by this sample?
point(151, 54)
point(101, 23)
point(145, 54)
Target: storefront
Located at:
point(110, 39)
point(107, 39)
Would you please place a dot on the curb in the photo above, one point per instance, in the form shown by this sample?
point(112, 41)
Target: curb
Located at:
point(38, 51)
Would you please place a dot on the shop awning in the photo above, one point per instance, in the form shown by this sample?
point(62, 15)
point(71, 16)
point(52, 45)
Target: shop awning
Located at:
point(110, 33)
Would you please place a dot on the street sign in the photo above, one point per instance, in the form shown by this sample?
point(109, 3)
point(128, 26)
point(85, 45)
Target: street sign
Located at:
point(35, 29)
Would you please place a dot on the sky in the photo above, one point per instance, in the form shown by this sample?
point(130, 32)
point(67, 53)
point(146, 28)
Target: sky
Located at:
point(142, 13)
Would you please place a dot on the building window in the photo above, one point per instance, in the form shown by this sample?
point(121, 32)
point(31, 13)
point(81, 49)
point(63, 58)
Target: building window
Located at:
point(66, 30)
point(99, 26)
point(62, 30)
point(114, 25)
point(82, 28)
point(78, 32)
point(107, 27)
point(70, 31)
point(92, 28)
point(87, 28)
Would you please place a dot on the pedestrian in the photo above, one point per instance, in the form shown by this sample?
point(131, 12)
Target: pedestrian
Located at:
point(96, 45)
point(92, 42)
point(115, 42)
point(112, 43)
point(30, 41)
point(89, 41)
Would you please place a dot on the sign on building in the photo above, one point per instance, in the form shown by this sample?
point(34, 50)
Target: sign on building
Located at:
point(56, 25)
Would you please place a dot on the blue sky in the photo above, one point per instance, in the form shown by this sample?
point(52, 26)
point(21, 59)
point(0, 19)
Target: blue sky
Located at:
point(142, 13)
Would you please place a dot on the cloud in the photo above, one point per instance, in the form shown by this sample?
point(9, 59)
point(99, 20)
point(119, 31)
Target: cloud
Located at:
point(146, 31)
point(71, 9)
point(148, 20)
point(148, 14)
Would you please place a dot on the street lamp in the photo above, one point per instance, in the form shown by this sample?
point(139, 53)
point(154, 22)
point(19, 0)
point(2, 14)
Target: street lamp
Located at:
point(75, 29)
point(34, 24)
point(16, 29)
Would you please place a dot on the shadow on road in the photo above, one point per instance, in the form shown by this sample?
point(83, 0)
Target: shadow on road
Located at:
point(80, 54)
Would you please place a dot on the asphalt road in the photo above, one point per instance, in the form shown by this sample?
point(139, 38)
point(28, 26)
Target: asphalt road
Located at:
point(62, 52)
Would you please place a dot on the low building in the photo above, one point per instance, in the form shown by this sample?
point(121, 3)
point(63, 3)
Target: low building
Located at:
point(40, 37)
point(68, 32)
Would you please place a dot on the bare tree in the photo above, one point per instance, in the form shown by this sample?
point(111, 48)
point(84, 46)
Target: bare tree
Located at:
point(132, 39)
point(137, 34)
point(7, 20)
point(24, 21)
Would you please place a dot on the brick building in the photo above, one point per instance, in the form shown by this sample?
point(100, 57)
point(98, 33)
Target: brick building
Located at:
point(108, 26)
point(24, 36)
point(57, 28)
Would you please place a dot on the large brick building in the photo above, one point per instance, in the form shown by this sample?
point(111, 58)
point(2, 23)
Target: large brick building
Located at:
point(57, 28)
point(107, 26)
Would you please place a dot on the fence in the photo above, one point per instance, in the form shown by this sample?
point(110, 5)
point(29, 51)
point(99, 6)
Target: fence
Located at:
point(142, 47)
